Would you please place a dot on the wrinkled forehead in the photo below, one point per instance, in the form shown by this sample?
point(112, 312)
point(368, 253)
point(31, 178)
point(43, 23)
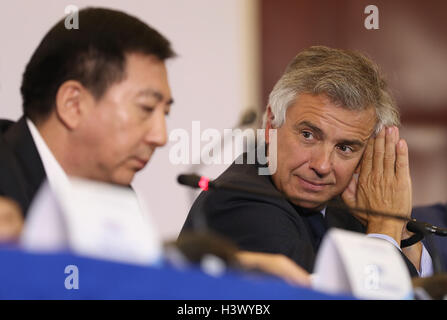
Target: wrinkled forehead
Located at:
point(329, 118)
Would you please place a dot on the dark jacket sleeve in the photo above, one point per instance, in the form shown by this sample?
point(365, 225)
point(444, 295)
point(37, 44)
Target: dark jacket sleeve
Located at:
point(253, 224)
point(11, 179)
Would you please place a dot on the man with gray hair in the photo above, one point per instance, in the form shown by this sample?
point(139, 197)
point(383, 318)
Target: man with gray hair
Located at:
point(337, 142)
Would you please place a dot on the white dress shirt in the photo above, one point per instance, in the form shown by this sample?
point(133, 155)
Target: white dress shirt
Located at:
point(57, 178)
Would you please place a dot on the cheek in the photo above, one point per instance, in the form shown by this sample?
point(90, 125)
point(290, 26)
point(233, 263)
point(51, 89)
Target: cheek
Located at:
point(124, 133)
point(122, 143)
point(298, 158)
point(115, 143)
point(343, 172)
point(291, 154)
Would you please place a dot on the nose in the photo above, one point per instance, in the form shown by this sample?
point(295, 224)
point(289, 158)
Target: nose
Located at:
point(156, 133)
point(321, 161)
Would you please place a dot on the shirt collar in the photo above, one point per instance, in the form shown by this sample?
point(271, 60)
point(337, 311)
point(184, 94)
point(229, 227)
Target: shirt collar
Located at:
point(56, 175)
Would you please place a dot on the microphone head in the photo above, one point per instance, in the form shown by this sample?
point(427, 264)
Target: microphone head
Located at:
point(195, 181)
point(191, 180)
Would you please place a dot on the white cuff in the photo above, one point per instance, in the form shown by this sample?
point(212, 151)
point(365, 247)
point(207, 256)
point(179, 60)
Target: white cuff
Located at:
point(426, 264)
point(426, 261)
point(385, 237)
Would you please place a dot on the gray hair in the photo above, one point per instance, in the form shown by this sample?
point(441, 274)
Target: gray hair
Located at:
point(347, 78)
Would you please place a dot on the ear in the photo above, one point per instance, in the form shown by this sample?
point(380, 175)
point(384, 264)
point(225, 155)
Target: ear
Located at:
point(69, 103)
point(268, 124)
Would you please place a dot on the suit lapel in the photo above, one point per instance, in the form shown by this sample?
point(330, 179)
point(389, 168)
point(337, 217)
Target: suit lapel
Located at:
point(27, 164)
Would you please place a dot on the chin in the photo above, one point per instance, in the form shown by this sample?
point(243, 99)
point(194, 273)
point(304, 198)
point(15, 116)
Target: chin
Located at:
point(310, 204)
point(123, 179)
point(309, 201)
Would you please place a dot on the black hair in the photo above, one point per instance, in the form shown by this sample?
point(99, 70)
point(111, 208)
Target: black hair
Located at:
point(94, 54)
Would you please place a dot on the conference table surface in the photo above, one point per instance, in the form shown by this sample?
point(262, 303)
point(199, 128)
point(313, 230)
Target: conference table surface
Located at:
point(25, 275)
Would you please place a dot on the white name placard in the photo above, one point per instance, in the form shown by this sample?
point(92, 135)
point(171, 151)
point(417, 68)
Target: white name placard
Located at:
point(92, 219)
point(368, 268)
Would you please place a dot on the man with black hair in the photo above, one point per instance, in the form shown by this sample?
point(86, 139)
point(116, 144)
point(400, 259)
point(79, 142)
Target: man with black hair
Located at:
point(95, 101)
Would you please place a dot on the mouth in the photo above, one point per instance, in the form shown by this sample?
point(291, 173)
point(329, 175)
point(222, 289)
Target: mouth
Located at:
point(312, 186)
point(139, 163)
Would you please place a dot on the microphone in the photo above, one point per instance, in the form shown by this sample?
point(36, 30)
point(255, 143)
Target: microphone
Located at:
point(194, 181)
point(420, 229)
point(417, 227)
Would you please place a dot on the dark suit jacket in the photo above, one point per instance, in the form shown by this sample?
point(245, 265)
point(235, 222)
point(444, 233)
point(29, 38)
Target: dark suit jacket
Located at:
point(21, 169)
point(264, 224)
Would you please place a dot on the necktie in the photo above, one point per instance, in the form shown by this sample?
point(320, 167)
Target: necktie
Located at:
point(317, 226)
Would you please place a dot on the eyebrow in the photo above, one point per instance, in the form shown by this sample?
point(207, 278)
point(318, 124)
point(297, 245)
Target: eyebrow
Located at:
point(319, 132)
point(156, 94)
point(313, 127)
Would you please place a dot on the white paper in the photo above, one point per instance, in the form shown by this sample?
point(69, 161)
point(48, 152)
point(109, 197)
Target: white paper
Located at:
point(45, 225)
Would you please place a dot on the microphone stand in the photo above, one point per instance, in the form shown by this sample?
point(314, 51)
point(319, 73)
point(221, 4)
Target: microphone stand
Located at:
point(248, 117)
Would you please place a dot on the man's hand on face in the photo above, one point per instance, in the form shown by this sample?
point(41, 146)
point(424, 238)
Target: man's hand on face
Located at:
point(11, 220)
point(384, 184)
